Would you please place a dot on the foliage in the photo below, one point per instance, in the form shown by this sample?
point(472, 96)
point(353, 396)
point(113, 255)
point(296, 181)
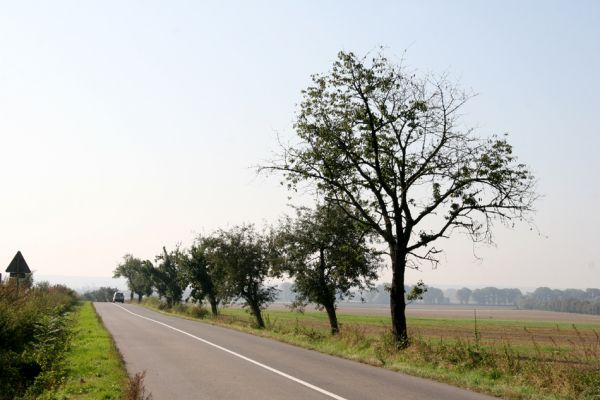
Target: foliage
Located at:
point(138, 274)
point(569, 300)
point(142, 280)
point(463, 295)
point(383, 142)
point(187, 310)
point(245, 256)
point(103, 294)
point(167, 277)
point(329, 256)
point(496, 297)
point(34, 332)
point(417, 292)
point(206, 279)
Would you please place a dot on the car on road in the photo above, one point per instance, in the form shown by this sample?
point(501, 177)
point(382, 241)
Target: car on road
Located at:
point(118, 297)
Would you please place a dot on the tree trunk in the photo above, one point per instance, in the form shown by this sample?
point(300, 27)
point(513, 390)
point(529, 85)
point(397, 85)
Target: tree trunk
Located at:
point(329, 299)
point(258, 315)
point(140, 297)
point(330, 308)
point(397, 300)
point(131, 296)
point(213, 306)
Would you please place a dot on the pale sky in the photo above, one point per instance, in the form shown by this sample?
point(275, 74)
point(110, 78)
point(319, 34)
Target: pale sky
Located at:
point(126, 126)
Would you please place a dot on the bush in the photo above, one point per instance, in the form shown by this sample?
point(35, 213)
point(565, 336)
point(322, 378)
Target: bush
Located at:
point(197, 311)
point(34, 333)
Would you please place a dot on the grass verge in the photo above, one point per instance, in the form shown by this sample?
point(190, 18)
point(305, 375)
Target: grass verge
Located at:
point(94, 368)
point(509, 359)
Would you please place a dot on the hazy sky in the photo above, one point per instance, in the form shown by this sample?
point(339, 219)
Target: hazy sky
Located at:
point(129, 125)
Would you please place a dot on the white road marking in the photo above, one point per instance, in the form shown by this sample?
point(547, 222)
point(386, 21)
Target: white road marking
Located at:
point(276, 371)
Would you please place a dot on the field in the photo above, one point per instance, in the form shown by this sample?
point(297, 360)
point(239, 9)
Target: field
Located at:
point(467, 312)
point(494, 326)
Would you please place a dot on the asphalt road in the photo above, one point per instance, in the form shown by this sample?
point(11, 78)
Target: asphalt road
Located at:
point(186, 359)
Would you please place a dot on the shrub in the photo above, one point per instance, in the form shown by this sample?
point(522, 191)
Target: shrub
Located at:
point(197, 311)
point(34, 332)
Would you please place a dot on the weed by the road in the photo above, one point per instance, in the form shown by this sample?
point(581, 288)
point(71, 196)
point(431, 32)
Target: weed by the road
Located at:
point(136, 389)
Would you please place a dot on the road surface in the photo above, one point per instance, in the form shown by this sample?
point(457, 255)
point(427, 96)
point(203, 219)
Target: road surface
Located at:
point(186, 359)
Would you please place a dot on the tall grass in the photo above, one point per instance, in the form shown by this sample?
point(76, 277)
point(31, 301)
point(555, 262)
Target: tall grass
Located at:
point(136, 389)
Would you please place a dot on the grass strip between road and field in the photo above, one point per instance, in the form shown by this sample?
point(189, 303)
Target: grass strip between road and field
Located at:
point(511, 370)
point(94, 367)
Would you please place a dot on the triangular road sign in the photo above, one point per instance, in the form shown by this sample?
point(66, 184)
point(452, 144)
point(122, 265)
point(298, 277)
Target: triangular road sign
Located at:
point(18, 265)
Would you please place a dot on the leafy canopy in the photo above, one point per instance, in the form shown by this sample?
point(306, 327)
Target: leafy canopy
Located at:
point(390, 145)
point(328, 254)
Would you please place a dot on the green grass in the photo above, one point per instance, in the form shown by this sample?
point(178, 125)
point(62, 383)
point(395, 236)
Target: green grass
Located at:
point(94, 368)
point(510, 359)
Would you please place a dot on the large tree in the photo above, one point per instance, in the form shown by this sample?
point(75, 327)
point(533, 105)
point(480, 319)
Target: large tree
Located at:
point(167, 277)
point(329, 256)
point(391, 145)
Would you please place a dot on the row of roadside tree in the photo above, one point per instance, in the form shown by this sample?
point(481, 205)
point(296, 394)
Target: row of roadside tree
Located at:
point(329, 256)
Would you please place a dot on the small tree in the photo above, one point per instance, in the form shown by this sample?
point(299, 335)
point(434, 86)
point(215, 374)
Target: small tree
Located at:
point(127, 269)
point(167, 277)
point(390, 145)
point(205, 277)
point(329, 256)
point(138, 274)
point(245, 257)
point(142, 280)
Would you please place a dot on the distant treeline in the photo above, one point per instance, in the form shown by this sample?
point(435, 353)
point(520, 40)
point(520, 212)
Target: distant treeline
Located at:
point(379, 295)
point(569, 300)
point(543, 298)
